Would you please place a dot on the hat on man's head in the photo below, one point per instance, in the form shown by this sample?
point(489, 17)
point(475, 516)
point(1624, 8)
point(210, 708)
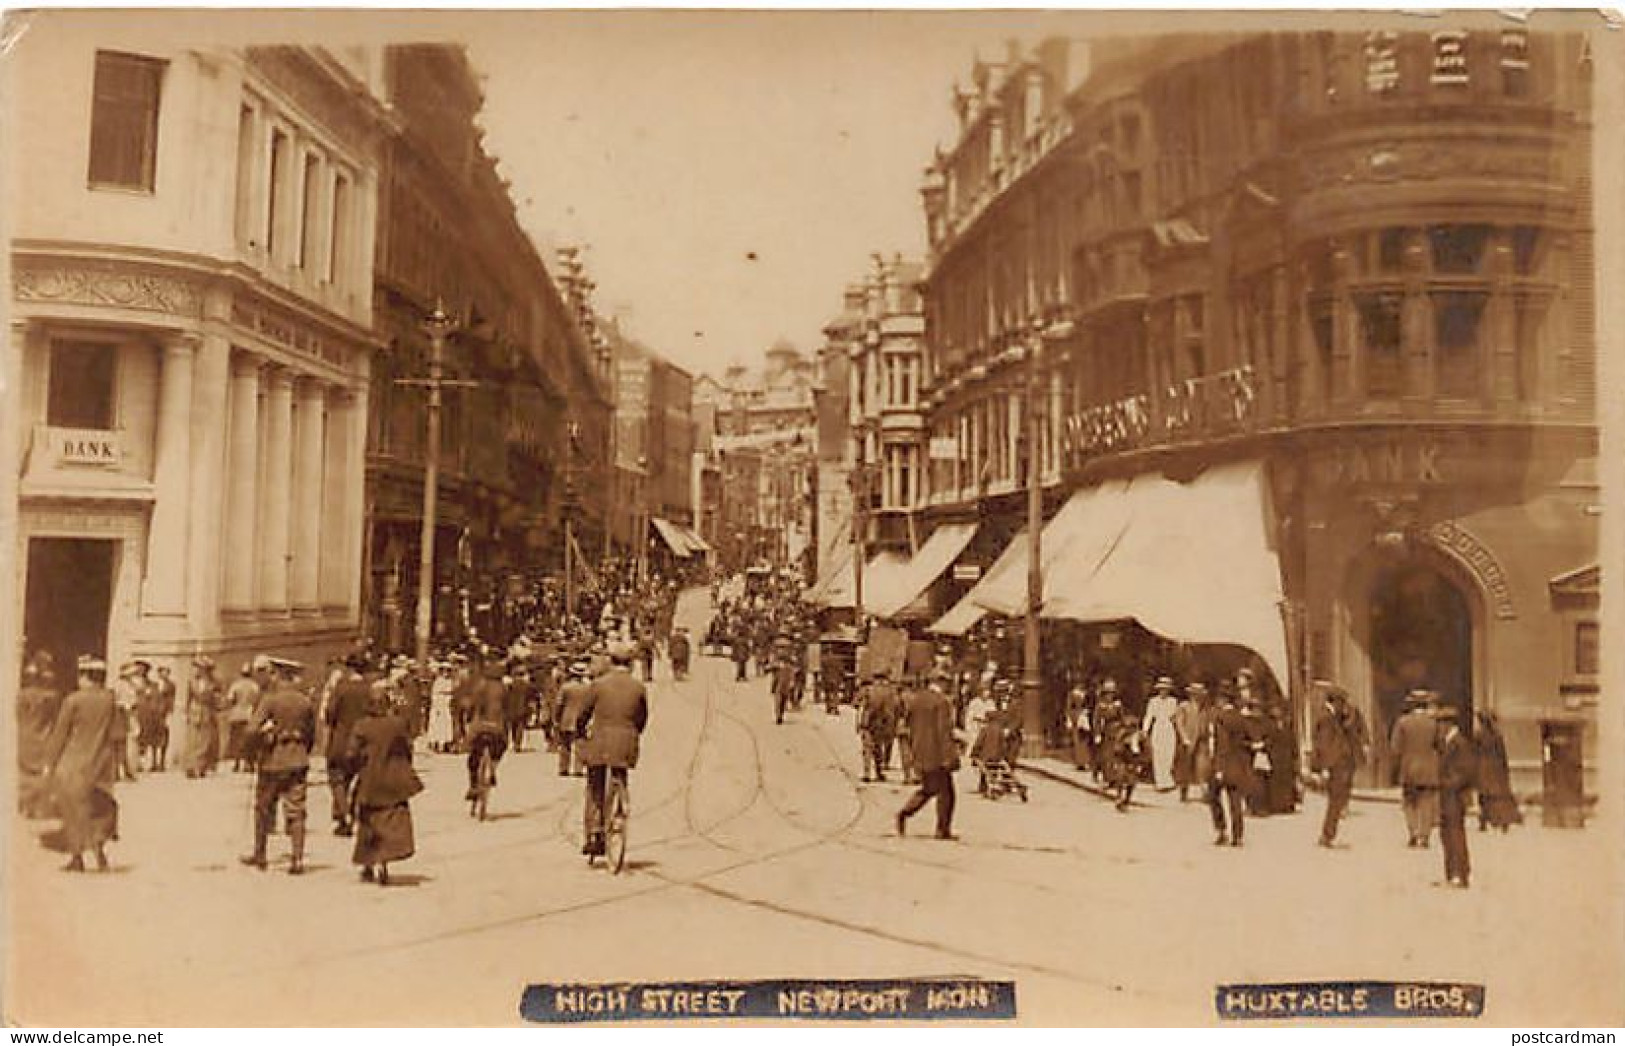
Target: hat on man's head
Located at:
point(130, 668)
point(92, 664)
point(1421, 697)
point(1108, 685)
point(203, 661)
point(1196, 689)
point(1447, 713)
point(580, 667)
point(1163, 683)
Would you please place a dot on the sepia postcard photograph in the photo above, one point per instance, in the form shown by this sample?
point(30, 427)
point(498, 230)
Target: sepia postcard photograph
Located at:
point(869, 518)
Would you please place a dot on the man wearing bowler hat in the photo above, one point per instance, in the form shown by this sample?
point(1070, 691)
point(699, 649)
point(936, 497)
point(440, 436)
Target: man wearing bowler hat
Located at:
point(1414, 743)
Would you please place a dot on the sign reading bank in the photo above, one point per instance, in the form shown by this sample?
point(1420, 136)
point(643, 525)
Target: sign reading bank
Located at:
point(70, 447)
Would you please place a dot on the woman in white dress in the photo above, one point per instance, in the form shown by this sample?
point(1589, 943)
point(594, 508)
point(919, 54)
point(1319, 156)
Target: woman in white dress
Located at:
point(1159, 727)
point(440, 721)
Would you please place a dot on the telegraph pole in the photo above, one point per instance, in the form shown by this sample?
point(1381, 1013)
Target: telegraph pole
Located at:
point(570, 503)
point(1032, 683)
point(860, 507)
point(439, 327)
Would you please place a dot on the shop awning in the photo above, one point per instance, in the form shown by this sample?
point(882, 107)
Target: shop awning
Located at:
point(1191, 562)
point(672, 535)
point(963, 615)
point(900, 587)
point(1084, 530)
point(697, 543)
point(835, 589)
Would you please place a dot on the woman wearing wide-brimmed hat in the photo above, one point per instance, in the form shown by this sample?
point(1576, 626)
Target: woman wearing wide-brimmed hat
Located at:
point(382, 746)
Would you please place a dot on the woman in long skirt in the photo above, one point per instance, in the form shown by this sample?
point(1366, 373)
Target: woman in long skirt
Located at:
point(382, 747)
point(1159, 728)
point(441, 727)
point(1497, 806)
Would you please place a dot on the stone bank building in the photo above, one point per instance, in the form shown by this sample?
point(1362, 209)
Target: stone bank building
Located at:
point(1331, 294)
point(191, 319)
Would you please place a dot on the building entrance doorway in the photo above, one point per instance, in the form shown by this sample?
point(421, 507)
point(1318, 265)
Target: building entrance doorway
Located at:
point(1420, 637)
point(69, 599)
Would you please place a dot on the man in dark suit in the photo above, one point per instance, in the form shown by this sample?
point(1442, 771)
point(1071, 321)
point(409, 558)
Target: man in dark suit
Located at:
point(284, 729)
point(1231, 740)
point(1458, 773)
point(1415, 746)
point(487, 722)
point(878, 721)
point(1339, 749)
point(345, 709)
point(573, 701)
point(936, 756)
point(616, 712)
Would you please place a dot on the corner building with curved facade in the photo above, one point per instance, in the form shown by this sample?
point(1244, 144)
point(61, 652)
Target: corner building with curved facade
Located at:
point(1360, 264)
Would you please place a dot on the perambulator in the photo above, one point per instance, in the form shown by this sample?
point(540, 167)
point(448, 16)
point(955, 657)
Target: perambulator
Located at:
point(994, 756)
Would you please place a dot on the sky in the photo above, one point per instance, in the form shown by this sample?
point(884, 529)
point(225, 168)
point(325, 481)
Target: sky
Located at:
point(730, 172)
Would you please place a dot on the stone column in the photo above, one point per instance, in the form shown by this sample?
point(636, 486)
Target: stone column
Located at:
point(164, 591)
point(1498, 329)
point(353, 483)
point(211, 392)
point(242, 498)
point(335, 523)
point(276, 490)
point(309, 423)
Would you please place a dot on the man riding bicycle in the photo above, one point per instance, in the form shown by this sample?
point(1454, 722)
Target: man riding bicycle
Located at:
point(487, 723)
point(616, 712)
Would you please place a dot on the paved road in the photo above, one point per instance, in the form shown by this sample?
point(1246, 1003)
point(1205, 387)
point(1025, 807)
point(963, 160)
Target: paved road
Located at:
point(757, 852)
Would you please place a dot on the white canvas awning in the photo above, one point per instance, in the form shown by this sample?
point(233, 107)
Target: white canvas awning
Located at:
point(1084, 529)
point(965, 613)
point(672, 535)
point(897, 589)
point(836, 588)
point(1192, 562)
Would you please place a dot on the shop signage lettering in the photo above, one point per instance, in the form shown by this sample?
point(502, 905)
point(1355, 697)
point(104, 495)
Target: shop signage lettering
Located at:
point(1480, 560)
point(1415, 463)
point(83, 447)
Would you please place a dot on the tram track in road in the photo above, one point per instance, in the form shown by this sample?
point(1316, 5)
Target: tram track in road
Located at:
point(643, 883)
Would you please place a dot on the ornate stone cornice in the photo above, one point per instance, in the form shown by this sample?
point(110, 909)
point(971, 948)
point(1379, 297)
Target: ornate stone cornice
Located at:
point(108, 283)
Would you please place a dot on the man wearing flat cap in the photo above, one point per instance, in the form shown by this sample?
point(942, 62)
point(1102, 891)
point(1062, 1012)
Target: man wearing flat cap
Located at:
point(283, 731)
point(1415, 748)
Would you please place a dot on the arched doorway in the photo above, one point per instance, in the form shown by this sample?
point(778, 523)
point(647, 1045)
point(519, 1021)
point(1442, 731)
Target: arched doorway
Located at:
point(1416, 623)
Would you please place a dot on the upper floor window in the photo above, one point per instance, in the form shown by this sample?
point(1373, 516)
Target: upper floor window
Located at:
point(1382, 338)
point(81, 384)
point(124, 121)
point(1587, 648)
point(1458, 249)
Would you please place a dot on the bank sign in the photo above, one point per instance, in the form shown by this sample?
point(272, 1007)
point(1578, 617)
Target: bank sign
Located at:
point(75, 447)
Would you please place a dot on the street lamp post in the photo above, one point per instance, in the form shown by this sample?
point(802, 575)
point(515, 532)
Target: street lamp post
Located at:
point(1032, 682)
point(439, 327)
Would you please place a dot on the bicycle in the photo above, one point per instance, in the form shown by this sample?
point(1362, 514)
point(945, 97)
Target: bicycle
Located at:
point(484, 778)
point(617, 813)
